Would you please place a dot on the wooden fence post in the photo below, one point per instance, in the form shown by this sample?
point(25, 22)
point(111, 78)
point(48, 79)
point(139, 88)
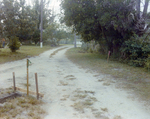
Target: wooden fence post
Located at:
point(14, 81)
point(36, 82)
point(108, 56)
point(27, 78)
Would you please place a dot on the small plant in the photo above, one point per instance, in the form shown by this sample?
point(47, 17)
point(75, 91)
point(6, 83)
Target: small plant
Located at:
point(14, 44)
point(26, 84)
point(21, 101)
point(104, 109)
point(88, 102)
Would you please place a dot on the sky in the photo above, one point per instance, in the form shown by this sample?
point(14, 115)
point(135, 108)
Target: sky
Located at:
point(54, 4)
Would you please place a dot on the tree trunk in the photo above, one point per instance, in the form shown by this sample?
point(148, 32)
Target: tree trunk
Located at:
point(145, 8)
point(138, 7)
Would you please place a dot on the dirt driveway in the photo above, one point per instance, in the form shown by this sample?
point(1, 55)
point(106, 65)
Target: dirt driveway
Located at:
point(71, 92)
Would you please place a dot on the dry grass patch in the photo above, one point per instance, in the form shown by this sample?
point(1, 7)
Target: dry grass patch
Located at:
point(21, 107)
point(101, 80)
point(83, 100)
point(57, 51)
point(91, 92)
point(79, 106)
point(65, 97)
point(5, 92)
point(70, 77)
point(117, 117)
point(99, 115)
point(88, 102)
point(106, 83)
point(62, 83)
point(80, 96)
point(104, 109)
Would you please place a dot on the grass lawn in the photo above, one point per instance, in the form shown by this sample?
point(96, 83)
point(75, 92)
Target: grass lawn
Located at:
point(25, 51)
point(128, 77)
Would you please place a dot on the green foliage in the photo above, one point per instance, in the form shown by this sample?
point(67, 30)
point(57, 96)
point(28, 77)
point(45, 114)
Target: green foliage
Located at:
point(26, 24)
point(147, 63)
point(113, 24)
point(108, 22)
point(53, 34)
point(10, 8)
point(14, 44)
point(23, 21)
point(36, 36)
point(136, 51)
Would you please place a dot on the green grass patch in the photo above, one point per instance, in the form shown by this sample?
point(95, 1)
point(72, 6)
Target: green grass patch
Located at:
point(25, 51)
point(128, 77)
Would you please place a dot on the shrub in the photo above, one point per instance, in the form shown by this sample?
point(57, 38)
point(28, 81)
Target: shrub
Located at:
point(147, 63)
point(14, 44)
point(136, 51)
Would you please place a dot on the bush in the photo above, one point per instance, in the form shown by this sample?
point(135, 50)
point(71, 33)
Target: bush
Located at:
point(36, 36)
point(14, 44)
point(147, 63)
point(136, 51)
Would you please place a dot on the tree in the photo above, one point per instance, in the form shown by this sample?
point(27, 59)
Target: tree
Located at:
point(50, 33)
point(36, 36)
point(105, 21)
point(10, 17)
point(108, 22)
point(17, 19)
point(145, 8)
point(26, 25)
point(48, 18)
point(138, 8)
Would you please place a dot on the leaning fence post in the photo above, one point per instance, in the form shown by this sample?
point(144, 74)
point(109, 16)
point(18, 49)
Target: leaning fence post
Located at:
point(108, 56)
point(36, 82)
point(14, 81)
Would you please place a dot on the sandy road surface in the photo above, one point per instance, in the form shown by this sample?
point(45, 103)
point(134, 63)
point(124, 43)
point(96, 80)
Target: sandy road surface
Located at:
point(71, 92)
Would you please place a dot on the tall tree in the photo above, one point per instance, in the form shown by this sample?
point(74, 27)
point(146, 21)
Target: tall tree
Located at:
point(48, 17)
point(145, 8)
point(26, 23)
point(138, 7)
point(10, 17)
point(104, 21)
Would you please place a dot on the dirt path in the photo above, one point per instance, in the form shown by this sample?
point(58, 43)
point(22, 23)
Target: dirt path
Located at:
point(71, 92)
